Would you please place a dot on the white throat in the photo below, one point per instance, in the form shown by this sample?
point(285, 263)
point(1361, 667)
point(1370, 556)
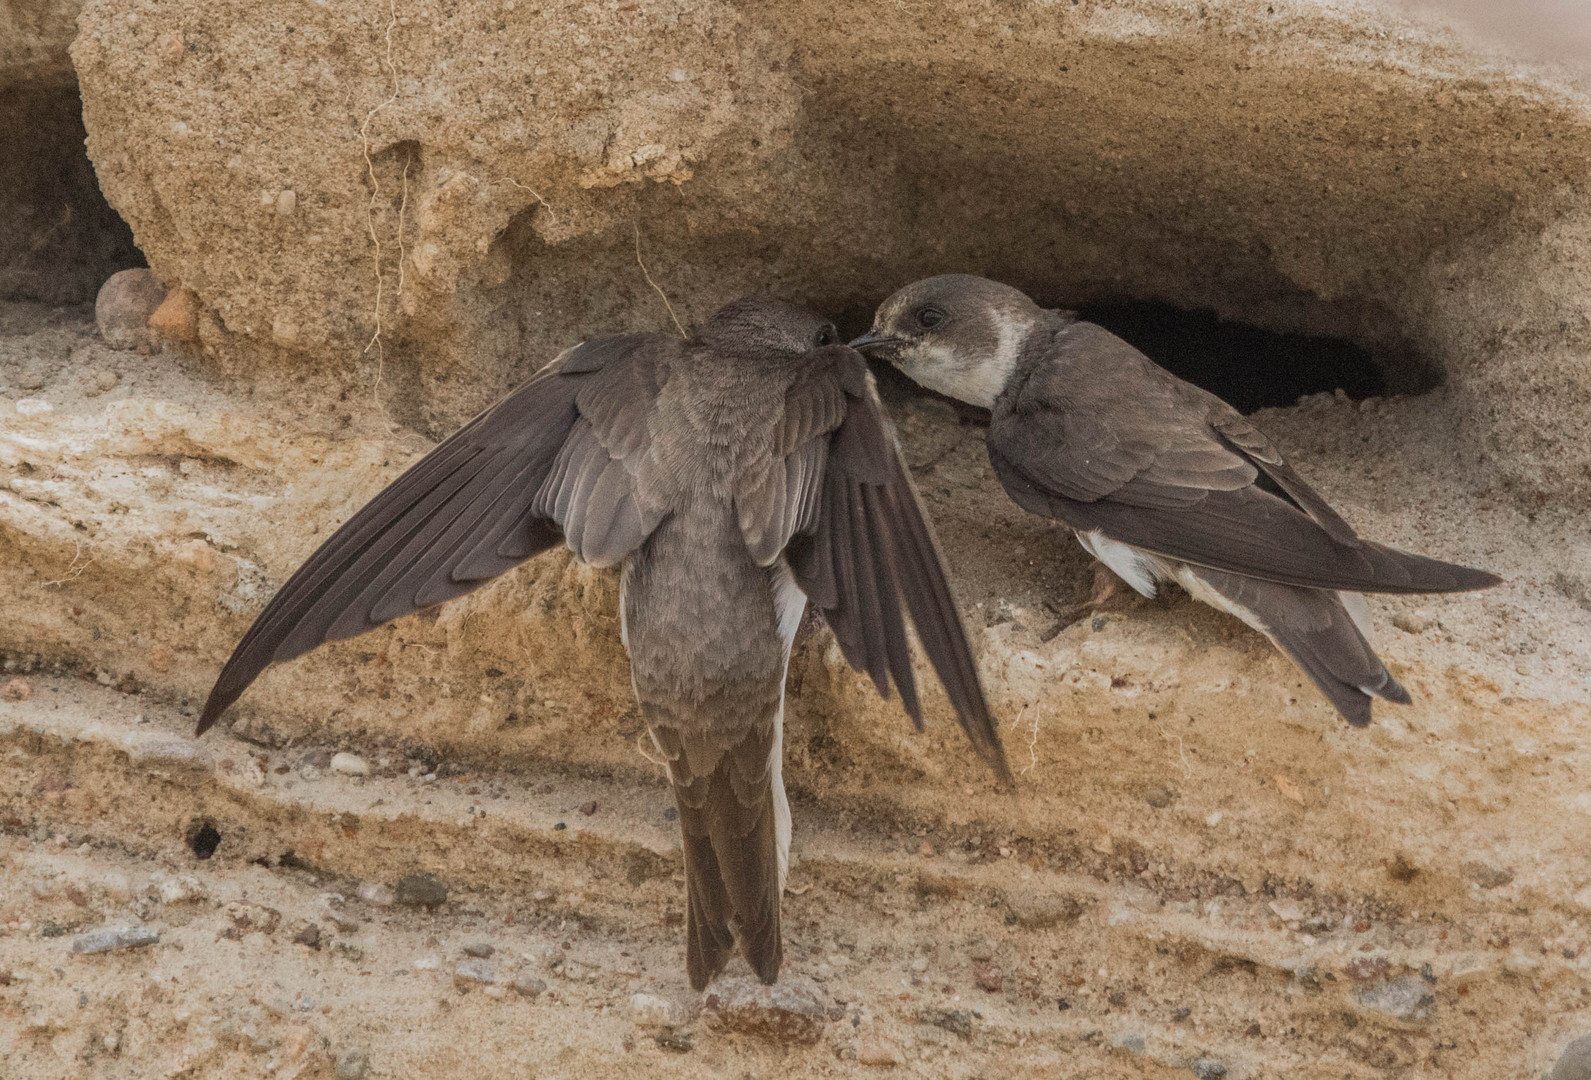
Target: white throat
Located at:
point(941, 368)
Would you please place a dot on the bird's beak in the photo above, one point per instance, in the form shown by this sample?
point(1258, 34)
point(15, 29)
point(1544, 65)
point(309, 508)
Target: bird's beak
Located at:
point(872, 340)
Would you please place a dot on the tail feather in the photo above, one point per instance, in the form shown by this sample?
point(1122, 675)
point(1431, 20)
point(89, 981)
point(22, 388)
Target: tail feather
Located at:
point(733, 879)
point(1317, 630)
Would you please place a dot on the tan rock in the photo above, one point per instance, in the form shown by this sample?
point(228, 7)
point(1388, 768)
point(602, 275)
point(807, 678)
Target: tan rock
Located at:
point(177, 318)
point(125, 303)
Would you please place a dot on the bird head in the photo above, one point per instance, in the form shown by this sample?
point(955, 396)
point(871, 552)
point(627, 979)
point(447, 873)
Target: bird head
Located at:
point(767, 326)
point(957, 334)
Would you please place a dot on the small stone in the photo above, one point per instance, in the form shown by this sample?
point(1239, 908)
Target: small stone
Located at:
point(1207, 1069)
point(158, 750)
point(925, 849)
point(878, 1053)
point(920, 964)
point(101, 380)
point(16, 690)
point(1158, 797)
point(788, 1011)
point(1040, 910)
point(176, 319)
point(181, 890)
point(123, 307)
point(1103, 844)
point(350, 765)
point(31, 379)
point(989, 977)
point(421, 890)
point(1488, 876)
point(479, 949)
point(197, 554)
point(981, 950)
point(286, 202)
point(308, 934)
point(34, 406)
point(651, 1011)
point(528, 985)
point(115, 940)
point(1404, 1001)
point(377, 894)
point(676, 1042)
point(956, 1021)
point(474, 973)
point(246, 917)
point(1132, 1042)
point(588, 808)
point(351, 1064)
point(1412, 622)
point(1522, 964)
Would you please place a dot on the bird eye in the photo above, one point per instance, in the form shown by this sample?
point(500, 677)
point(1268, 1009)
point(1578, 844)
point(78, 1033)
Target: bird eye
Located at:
point(827, 336)
point(930, 317)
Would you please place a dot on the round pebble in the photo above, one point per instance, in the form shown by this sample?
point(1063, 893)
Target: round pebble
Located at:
point(350, 765)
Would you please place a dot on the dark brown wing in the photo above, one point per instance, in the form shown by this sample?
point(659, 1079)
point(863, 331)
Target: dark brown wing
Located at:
point(501, 489)
point(869, 547)
point(1102, 438)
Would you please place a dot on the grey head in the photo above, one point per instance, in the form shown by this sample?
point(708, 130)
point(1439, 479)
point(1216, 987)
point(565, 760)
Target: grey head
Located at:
point(958, 334)
point(766, 326)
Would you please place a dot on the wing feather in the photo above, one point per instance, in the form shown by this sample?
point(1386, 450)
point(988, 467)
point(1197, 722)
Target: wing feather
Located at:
point(463, 514)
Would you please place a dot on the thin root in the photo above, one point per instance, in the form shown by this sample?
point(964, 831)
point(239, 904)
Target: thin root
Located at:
point(654, 284)
point(551, 213)
point(375, 194)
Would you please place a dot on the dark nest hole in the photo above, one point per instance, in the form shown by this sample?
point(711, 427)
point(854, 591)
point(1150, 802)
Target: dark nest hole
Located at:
point(59, 238)
point(1245, 366)
point(203, 839)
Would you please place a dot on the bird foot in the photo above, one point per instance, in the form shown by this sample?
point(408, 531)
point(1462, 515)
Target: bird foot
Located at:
point(1105, 586)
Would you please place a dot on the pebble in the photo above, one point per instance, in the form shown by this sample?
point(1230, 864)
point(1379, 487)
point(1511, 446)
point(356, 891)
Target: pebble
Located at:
point(350, 765)
point(114, 940)
point(528, 985)
point(377, 894)
point(1158, 797)
point(1207, 1069)
point(791, 1010)
point(16, 690)
point(103, 379)
point(157, 749)
point(588, 808)
point(878, 1053)
point(1575, 1062)
point(177, 318)
point(920, 964)
point(1039, 910)
point(181, 890)
point(307, 933)
point(1406, 1001)
point(1132, 1042)
point(286, 202)
point(1412, 622)
point(479, 949)
point(351, 1064)
point(123, 307)
point(34, 406)
point(421, 890)
point(1488, 876)
point(989, 977)
point(475, 973)
point(651, 1011)
point(31, 379)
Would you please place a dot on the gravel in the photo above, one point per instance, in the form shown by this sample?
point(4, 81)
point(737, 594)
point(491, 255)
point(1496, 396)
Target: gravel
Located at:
point(115, 939)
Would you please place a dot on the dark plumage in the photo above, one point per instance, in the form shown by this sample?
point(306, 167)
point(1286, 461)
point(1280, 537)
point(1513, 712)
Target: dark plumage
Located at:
point(731, 477)
point(1159, 479)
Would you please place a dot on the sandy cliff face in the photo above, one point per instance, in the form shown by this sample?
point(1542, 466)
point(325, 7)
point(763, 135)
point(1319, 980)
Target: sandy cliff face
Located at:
point(373, 218)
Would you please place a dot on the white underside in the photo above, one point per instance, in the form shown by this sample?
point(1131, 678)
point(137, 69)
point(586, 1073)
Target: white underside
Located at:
point(1144, 571)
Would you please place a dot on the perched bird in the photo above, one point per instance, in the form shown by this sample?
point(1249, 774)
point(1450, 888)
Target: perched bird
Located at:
point(1158, 479)
point(732, 477)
